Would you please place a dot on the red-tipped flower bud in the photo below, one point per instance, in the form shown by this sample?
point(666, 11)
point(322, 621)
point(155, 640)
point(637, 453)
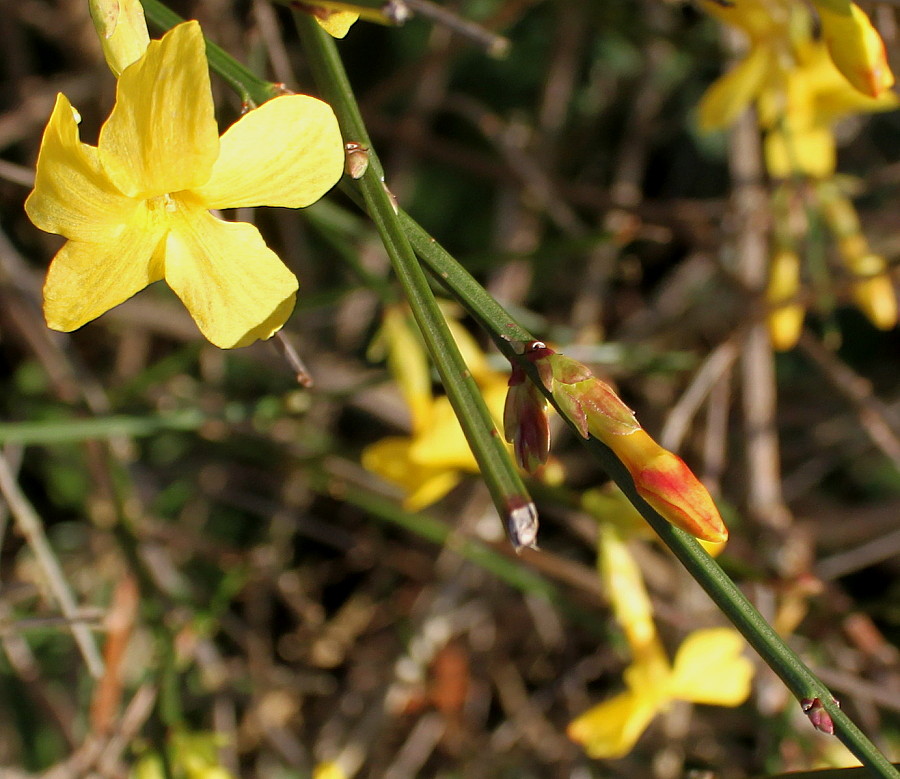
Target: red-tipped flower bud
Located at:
point(669, 486)
point(660, 477)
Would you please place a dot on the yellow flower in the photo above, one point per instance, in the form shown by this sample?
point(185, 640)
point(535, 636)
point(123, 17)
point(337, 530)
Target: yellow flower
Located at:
point(328, 770)
point(794, 83)
point(800, 113)
point(855, 46)
point(136, 208)
point(785, 319)
point(709, 668)
point(430, 462)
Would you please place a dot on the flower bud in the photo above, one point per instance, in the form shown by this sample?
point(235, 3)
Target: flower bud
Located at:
point(876, 298)
point(660, 477)
point(818, 716)
point(786, 316)
point(664, 480)
point(589, 403)
point(122, 30)
point(855, 46)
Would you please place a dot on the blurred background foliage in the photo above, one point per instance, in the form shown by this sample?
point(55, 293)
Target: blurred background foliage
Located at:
point(210, 516)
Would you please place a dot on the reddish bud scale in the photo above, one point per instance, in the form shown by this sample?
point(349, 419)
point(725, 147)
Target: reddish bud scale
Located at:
point(820, 719)
point(525, 425)
point(589, 403)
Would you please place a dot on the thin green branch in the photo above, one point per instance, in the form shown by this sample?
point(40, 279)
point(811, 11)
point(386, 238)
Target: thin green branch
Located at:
point(499, 473)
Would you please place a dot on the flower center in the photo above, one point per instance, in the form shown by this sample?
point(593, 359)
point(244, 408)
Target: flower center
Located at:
point(165, 203)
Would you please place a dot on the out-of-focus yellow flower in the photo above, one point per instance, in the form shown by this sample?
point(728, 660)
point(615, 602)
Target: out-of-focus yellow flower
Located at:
point(795, 84)
point(430, 462)
point(328, 770)
point(873, 289)
point(799, 117)
point(709, 668)
point(190, 756)
point(786, 315)
point(855, 46)
point(801, 85)
point(136, 209)
point(122, 30)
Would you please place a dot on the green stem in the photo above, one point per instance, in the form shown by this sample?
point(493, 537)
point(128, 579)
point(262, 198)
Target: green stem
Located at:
point(505, 485)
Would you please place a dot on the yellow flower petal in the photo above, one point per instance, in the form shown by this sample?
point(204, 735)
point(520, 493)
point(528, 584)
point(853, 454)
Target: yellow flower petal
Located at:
point(408, 363)
point(809, 152)
point(162, 134)
point(233, 285)
point(423, 484)
point(122, 30)
point(337, 23)
point(288, 152)
point(612, 728)
point(728, 96)
point(710, 668)
point(442, 444)
point(625, 589)
point(72, 195)
point(856, 47)
point(87, 279)
point(650, 672)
